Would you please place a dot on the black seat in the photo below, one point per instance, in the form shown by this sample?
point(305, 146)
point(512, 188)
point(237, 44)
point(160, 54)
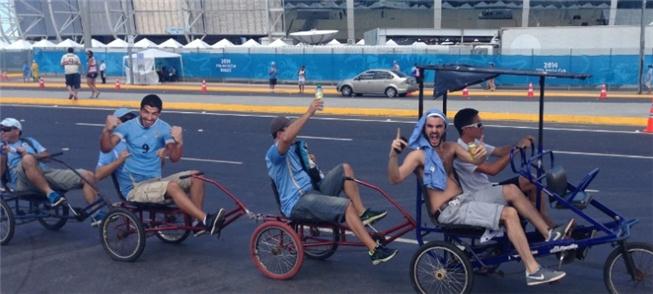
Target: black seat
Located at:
point(556, 182)
point(277, 198)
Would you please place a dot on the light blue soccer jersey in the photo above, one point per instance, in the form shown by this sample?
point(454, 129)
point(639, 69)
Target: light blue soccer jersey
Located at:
point(142, 143)
point(288, 175)
point(13, 158)
point(123, 178)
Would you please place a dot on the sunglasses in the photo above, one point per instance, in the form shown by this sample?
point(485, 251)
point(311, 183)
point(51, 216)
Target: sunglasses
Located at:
point(474, 125)
point(6, 129)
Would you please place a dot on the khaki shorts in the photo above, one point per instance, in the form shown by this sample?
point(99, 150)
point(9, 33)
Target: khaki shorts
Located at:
point(59, 179)
point(154, 191)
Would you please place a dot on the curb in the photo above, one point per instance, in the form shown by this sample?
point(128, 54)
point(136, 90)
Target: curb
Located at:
point(340, 111)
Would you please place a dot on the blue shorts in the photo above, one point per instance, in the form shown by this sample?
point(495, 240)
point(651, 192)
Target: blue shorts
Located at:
point(325, 205)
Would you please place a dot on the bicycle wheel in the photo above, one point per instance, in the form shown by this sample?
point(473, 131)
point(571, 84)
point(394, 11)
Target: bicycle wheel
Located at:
point(173, 236)
point(319, 242)
point(56, 218)
point(616, 276)
point(122, 235)
point(7, 223)
point(439, 267)
point(276, 250)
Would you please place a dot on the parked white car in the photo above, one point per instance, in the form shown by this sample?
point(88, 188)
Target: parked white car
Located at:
point(378, 81)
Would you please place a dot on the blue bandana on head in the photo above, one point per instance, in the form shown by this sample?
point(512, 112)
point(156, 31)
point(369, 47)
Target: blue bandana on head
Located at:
point(435, 176)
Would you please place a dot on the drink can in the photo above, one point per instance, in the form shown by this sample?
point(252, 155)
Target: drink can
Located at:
point(471, 148)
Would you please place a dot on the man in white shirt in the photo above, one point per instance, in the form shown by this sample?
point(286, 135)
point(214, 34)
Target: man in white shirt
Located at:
point(103, 68)
point(71, 63)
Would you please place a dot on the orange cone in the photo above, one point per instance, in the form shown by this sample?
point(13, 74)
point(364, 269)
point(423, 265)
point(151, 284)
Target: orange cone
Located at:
point(41, 83)
point(604, 93)
point(466, 93)
point(649, 127)
point(117, 86)
point(530, 90)
point(203, 89)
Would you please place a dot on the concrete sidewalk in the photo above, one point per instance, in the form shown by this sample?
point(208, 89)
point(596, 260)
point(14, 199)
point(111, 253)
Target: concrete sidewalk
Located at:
point(569, 107)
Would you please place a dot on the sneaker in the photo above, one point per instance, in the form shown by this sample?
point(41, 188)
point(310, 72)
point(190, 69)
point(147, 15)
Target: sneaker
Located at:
point(55, 199)
point(371, 216)
point(214, 222)
point(97, 218)
point(542, 276)
point(560, 231)
point(198, 229)
point(70, 97)
point(382, 254)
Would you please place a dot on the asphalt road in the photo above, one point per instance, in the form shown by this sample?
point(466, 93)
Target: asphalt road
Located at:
point(231, 147)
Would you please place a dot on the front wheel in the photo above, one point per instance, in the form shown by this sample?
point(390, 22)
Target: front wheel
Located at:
point(173, 236)
point(56, 218)
point(439, 267)
point(122, 235)
point(346, 91)
point(7, 223)
point(615, 273)
point(276, 250)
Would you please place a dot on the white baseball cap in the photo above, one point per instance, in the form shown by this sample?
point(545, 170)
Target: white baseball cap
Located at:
point(12, 123)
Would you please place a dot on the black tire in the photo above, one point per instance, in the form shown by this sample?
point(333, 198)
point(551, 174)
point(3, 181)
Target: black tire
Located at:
point(119, 229)
point(615, 274)
point(56, 219)
point(7, 223)
point(276, 250)
point(439, 267)
point(311, 234)
point(173, 236)
point(390, 92)
point(346, 91)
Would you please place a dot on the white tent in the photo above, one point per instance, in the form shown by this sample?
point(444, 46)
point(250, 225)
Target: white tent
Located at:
point(419, 44)
point(145, 65)
point(361, 42)
point(145, 43)
point(44, 43)
point(19, 45)
point(197, 43)
point(334, 42)
point(68, 43)
point(278, 43)
point(250, 43)
point(222, 44)
point(170, 43)
point(117, 43)
point(391, 43)
point(97, 44)
point(3, 44)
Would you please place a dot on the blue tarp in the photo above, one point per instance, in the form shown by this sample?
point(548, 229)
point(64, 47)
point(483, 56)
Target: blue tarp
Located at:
point(614, 70)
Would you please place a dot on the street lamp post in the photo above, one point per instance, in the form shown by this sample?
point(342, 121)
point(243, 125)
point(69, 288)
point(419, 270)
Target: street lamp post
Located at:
point(641, 49)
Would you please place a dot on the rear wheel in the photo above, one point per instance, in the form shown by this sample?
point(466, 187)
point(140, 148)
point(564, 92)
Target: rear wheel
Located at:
point(173, 236)
point(276, 250)
point(346, 91)
point(56, 218)
point(122, 235)
point(391, 92)
point(319, 242)
point(7, 223)
point(439, 267)
point(615, 273)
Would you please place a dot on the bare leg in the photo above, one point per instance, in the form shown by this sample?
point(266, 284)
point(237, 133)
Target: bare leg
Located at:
point(513, 195)
point(197, 193)
point(353, 221)
point(531, 191)
point(516, 235)
point(89, 193)
point(183, 202)
point(34, 174)
point(351, 189)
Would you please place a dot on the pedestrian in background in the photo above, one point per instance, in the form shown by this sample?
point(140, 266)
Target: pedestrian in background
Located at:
point(272, 73)
point(395, 66)
point(27, 73)
point(35, 71)
point(103, 68)
point(91, 74)
point(301, 79)
point(649, 79)
point(491, 85)
point(70, 62)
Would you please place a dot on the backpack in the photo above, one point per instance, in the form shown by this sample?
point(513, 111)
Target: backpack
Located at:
point(308, 165)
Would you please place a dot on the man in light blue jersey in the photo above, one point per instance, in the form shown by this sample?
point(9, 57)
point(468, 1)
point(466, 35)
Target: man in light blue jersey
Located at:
point(149, 139)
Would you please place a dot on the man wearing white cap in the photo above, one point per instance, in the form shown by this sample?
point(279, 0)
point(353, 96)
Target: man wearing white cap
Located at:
point(20, 158)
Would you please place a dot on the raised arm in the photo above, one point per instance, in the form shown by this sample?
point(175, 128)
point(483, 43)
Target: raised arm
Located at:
point(107, 139)
point(397, 173)
point(286, 138)
point(176, 149)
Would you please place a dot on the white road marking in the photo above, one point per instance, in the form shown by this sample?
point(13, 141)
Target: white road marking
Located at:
point(326, 138)
point(212, 160)
point(603, 154)
point(89, 125)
